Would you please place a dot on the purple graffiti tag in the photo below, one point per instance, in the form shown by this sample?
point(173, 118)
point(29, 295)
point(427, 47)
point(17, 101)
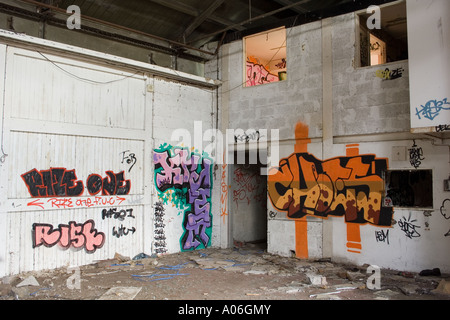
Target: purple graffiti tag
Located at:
point(175, 168)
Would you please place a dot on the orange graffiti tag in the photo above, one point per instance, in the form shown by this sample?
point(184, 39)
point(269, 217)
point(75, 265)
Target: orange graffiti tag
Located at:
point(351, 187)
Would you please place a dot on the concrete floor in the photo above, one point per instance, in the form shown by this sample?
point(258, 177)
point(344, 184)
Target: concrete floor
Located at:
point(244, 273)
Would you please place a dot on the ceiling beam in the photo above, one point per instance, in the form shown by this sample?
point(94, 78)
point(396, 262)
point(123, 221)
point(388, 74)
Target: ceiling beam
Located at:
point(262, 16)
point(297, 8)
point(191, 11)
point(201, 18)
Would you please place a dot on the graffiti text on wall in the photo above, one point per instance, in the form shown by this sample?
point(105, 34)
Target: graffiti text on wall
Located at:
point(388, 74)
point(67, 203)
point(224, 192)
point(443, 127)
point(160, 236)
point(416, 156)
point(432, 109)
point(408, 227)
point(346, 186)
point(188, 177)
point(59, 182)
point(258, 74)
point(71, 235)
point(248, 187)
point(120, 215)
point(128, 158)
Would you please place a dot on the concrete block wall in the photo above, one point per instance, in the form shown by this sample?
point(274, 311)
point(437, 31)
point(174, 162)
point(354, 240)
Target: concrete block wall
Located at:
point(266, 107)
point(366, 110)
point(364, 103)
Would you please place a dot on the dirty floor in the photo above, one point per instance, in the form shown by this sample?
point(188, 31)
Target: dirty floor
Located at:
point(240, 273)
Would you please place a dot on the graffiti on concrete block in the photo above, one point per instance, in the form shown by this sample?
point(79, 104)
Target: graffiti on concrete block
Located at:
point(71, 235)
point(345, 186)
point(351, 186)
point(185, 179)
point(388, 74)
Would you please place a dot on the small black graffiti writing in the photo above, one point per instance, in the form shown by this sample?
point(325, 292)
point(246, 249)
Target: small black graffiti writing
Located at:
point(272, 214)
point(248, 136)
point(388, 74)
point(432, 109)
point(116, 214)
point(408, 227)
point(122, 231)
point(416, 156)
point(160, 237)
point(382, 236)
point(445, 205)
point(443, 127)
point(129, 158)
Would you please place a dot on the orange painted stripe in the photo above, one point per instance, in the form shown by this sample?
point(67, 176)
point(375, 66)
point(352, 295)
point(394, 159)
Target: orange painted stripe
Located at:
point(301, 238)
point(353, 237)
point(301, 138)
point(354, 245)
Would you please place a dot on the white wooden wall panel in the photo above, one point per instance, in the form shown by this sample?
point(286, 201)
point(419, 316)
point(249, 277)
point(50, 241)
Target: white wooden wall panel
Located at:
point(62, 112)
point(51, 88)
point(55, 118)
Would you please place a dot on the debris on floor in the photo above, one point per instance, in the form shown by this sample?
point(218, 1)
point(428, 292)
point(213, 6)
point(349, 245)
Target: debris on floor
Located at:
point(244, 272)
point(121, 293)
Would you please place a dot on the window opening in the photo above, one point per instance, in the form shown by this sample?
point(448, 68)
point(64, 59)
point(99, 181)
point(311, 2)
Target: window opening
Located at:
point(410, 188)
point(388, 44)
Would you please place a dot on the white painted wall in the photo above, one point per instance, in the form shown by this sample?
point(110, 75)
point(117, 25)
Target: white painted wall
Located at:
point(66, 107)
point(429, 60)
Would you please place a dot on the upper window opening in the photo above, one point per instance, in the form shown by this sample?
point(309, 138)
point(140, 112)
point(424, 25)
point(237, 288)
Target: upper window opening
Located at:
point(388, 44)
point(265, 57)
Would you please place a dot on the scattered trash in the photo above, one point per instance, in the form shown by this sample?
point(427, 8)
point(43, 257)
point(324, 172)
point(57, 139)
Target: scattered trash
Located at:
point(388, 293)
point(121, 258)
point(176, 267)
point(121, 293)
point(33, 293)
point(157, 277)
point(30, 281)
point(141, 256)
point(316, 280)
point(435, 272)
point(443, 288)
point(408, 289)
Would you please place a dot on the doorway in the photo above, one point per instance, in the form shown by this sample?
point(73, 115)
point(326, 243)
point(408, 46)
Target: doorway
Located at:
point(248, 203)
